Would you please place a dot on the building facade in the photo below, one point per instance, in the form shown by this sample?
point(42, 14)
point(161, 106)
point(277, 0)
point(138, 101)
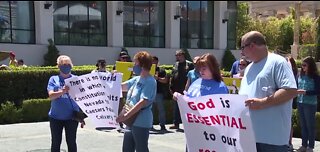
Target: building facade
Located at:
point(89, 30)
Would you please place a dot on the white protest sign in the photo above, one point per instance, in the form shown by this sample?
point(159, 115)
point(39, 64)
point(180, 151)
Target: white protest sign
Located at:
point(217, 123)
point(98, 95)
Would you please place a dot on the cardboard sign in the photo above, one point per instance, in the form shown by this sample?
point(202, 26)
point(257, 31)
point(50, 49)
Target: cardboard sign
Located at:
point(233, 84)
point(126, 69)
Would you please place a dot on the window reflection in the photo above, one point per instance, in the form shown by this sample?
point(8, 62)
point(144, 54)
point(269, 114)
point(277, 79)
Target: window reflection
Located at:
point(17, 22)
point(143, 23)
point(80, 22)
point(196, 24)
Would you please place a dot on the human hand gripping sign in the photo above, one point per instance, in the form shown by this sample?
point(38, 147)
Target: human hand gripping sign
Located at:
point(177, 94)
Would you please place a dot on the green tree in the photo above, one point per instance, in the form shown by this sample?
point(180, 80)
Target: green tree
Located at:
point(317, 58)
point(286, 34)
point(50, 58)
point(244, 21)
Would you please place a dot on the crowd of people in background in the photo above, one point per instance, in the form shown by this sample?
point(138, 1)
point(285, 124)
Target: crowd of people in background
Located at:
point(13, 62)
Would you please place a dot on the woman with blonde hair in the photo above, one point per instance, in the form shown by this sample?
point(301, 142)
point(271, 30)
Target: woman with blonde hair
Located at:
point(62, 107)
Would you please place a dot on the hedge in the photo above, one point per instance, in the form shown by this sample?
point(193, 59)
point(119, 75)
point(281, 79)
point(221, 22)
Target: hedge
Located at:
point(36, 110)
point(30, 83)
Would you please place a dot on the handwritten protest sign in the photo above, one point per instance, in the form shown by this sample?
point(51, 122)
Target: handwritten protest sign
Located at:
point(127, 67)
point(217, 123)
point(233, 84)
point(98, 95)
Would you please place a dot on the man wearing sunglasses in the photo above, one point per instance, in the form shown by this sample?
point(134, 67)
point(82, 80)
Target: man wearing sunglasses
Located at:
point(270, 86)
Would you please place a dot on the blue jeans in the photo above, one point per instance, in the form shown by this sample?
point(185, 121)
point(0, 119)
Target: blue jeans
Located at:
point(307, 116)
point(160, 106)
point(56, 127)
point(136, 139)
point(271, 148)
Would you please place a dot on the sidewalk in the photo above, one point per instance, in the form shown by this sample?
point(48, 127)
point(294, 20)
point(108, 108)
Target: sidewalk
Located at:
point(35, 137)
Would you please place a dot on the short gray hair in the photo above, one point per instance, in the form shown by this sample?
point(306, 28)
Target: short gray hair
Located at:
point(62, 58)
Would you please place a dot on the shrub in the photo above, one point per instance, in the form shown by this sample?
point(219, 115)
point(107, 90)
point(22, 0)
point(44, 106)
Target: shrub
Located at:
point(9, 113)
point(307, 50)
point(318, 126)
point(30, 83)
point(50, 58)
point(278, 32)
point(35, 110)
point(318, 40)
point(225, 73)
point(227, 60)
point(298, 62)
point(297, 128)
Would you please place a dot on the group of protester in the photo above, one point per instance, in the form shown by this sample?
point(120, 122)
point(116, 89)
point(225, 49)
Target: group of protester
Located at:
point(268, 81)
point(13, 62)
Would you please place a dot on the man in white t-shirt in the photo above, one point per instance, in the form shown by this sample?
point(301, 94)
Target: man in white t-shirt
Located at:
point(270, 85)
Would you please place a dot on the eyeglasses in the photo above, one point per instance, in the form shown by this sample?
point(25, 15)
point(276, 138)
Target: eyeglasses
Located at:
point(242, 47)
point(242, 64)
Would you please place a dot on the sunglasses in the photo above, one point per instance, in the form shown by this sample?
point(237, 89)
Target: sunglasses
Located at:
point(242, 47)
point(243, 64)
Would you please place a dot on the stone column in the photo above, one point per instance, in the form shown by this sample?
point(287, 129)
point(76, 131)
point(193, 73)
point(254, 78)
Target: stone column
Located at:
point(43, 22)
point(220, 28)
point(114, 25)
point(172, 26)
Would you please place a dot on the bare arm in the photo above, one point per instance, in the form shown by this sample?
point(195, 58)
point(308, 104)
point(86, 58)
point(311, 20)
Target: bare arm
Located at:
point(56, 94)
point(170, 86)
point(279, 97)
point(133, 110)
point(136, 107)
point(187, 84)
point(124, 87)
point(162, 80)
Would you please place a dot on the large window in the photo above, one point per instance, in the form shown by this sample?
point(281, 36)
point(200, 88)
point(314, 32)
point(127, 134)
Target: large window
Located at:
point(80, 23)
point(196, 24)
point(144, 24)
point(17, 22)
point(232, 23)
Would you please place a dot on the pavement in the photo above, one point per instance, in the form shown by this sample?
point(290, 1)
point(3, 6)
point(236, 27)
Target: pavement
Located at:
point(35, 137)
